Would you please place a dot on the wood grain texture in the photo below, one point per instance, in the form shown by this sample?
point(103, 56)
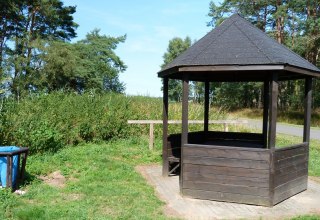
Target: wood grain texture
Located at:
point(227, 197)
point(225, 152)
point(230, 162)
point(290, 188)
point(223, 170)
point(307, 109)
point(165, 162)
point(226, 188)
point(226, 179)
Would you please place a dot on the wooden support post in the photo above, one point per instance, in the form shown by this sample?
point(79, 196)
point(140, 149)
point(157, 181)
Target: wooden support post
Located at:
point(273, 107)
point(307, 109)
point(151, 138)
point(184, 136)
point(23, 165)
point(266, 96)
point(9, 172)
point(18, 172)
point(206, 107)
point(165, 162)
point(273, 104)
point(225, 127)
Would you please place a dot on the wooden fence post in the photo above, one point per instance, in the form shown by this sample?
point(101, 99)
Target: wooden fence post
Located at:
point(151, 137)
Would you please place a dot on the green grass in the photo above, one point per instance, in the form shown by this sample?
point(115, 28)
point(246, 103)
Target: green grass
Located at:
point(101, 183)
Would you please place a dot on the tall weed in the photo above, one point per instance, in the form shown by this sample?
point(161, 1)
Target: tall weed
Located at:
point(48, 122)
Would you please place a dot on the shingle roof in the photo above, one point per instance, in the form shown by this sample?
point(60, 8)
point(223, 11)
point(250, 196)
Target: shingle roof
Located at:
point(237, 42)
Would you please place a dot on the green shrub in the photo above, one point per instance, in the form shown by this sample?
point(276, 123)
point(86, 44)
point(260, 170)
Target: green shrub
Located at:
point(48, 122)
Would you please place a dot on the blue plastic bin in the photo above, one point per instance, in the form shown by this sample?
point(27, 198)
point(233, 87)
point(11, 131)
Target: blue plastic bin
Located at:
point(3, 165)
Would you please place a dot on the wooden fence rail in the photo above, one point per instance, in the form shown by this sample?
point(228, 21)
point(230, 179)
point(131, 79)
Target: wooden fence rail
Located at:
point(152, 122)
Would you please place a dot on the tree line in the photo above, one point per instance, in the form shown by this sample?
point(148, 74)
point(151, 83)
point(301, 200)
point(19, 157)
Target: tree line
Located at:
point(294, 23)
point(36, 54)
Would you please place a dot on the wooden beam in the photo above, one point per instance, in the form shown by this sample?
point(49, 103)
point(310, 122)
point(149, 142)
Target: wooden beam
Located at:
point(165, 162)
point(185, 102)
point(307, 109)
point(230, 68)
point(184, 136)
point(189, 122)
point(266, 96)
point(206, 106)
point(273, 107)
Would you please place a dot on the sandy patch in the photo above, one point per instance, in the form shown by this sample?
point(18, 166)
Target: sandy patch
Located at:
point(55, 179)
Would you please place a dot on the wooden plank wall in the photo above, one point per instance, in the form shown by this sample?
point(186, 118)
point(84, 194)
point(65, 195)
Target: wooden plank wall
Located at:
point(291, 171)
point(226, 174)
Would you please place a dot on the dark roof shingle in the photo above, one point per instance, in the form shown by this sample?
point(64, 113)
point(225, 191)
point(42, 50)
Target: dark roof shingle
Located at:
point(237, 42)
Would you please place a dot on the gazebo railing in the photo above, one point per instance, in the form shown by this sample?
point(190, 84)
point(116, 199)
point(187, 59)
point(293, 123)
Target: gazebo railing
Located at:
point(151, 123)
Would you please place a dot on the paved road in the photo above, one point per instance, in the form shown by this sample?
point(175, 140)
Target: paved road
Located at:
point(296, 130)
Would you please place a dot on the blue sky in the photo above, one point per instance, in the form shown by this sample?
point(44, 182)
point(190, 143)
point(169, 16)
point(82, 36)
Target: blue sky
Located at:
point(149, 25)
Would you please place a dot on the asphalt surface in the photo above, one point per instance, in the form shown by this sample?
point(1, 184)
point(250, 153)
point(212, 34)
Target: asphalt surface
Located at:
point(296, 130)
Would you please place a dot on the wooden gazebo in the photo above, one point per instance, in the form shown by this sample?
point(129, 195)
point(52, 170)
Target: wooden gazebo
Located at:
point(230, 166)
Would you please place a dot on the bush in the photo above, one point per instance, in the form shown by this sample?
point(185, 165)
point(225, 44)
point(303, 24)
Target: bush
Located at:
point(49, 122)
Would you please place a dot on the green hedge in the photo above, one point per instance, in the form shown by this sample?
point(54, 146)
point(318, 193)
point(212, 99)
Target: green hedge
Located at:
point(49, 122)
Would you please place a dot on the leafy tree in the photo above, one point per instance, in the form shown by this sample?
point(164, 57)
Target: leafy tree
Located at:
point(23, 23)
point(102, 65)
point(175, 48)
point(88, 64)
point(294, 23)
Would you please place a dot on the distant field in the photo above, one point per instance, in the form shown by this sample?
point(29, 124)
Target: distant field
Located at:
point(291, 117)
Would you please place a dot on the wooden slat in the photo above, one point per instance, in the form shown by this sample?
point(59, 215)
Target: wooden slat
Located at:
point(291, 184)
point(282, 179)
point(226, 179)
point(278, 197)
point(226, 188)
point(253, 164)
point(291, 161)
point(246, 149)
point(231, 171)
point(291, 147)
point(227, 197)
point(234, 136)
point(291, 168)
point(226, 153)
point(279, 155)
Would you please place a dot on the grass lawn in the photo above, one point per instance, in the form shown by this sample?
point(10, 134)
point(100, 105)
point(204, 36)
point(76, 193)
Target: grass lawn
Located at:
point(101, 183)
